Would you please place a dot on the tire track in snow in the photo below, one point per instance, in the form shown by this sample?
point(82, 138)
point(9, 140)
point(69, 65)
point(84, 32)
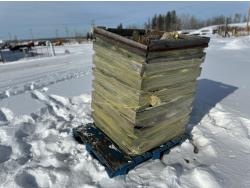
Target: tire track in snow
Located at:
point(41, 82)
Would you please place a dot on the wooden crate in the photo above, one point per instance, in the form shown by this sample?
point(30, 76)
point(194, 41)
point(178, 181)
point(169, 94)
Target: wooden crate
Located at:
point(143, 88)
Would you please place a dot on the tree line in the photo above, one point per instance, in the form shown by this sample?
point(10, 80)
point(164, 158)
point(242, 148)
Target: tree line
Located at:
point(171, 21)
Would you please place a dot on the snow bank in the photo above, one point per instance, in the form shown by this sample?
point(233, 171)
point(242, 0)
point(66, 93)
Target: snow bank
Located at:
point(238, 43)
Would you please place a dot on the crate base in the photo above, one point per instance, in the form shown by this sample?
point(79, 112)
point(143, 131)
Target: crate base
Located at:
point(117, 162)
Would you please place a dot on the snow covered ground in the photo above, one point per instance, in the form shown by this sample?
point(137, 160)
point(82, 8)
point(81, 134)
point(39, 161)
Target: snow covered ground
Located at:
point(209, 30)
point(41, 101)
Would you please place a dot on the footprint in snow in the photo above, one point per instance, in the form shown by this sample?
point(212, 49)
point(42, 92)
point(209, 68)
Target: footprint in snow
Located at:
point(5, 153)
point(26, 180)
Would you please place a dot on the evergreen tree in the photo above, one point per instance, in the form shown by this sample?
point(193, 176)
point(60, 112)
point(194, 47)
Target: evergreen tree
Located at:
point(159, 23)
point(168, 21)
point(153, 22)
point(120, 26)
point(173, 20)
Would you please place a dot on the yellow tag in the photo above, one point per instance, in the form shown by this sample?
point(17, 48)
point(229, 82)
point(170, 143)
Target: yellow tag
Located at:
point(184, 70)
point(154, 100)
point(176, 36)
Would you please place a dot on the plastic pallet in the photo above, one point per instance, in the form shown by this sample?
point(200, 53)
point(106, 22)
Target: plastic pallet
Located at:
point(116, 162)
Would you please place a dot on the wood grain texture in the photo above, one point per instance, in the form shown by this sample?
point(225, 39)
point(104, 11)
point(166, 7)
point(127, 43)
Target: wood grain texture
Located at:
point(142, 94)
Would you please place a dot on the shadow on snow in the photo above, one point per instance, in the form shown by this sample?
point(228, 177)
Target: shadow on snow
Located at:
point(208, 94)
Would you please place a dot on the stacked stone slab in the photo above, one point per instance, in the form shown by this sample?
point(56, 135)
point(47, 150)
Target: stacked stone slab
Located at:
point(143, 93)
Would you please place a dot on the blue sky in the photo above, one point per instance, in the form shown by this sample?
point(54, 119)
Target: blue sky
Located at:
point(44, 18)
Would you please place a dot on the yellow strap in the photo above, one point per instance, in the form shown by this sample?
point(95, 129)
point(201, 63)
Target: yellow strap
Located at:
point(153, 100)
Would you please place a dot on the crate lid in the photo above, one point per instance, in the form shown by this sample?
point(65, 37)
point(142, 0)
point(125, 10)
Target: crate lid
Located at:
point(150, 41)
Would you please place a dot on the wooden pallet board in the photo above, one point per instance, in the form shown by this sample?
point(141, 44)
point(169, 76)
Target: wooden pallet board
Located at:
point(115, 161)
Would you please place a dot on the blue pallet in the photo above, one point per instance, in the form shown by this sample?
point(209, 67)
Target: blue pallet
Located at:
point(116, 162)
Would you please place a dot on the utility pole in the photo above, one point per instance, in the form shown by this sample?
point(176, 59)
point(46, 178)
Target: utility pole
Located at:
point(248, 19)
